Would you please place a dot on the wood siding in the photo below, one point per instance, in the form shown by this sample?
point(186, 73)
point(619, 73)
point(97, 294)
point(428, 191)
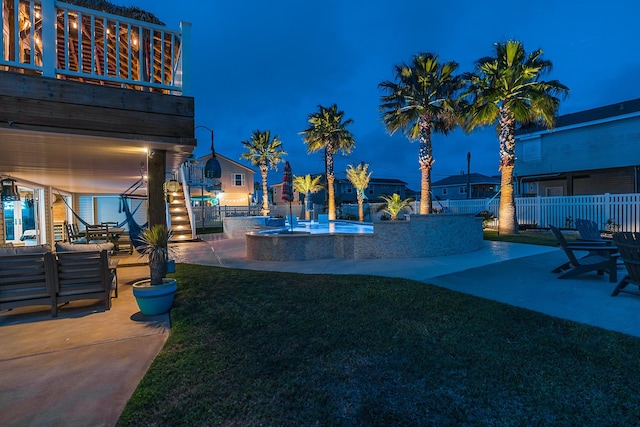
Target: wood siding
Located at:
point(50, 105)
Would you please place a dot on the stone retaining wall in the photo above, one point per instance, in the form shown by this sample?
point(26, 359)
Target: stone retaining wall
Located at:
point(235, 227)
point(420, 236)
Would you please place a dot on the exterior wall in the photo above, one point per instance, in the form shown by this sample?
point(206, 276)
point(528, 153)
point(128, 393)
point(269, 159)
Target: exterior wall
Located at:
point(230, 193)
point(432, 235)
point(600, 146)
point(614, 181)
point(277, 196)
point(235, 195)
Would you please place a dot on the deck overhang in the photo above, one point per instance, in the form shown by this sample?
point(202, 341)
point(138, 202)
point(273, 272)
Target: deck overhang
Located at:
point(85, 138)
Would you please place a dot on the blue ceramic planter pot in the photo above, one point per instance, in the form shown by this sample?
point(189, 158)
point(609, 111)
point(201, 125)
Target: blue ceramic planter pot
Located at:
point(157, 299)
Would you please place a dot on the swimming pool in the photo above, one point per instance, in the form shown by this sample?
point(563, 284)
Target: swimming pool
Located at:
point(314, 227)
point(420, 236)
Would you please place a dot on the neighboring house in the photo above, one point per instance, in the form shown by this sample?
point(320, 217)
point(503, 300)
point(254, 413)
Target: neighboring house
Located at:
point(235, 187)
point(589, 152)
point(346, 192)
point(85, 114)
point(277, 196)
point(455, 187)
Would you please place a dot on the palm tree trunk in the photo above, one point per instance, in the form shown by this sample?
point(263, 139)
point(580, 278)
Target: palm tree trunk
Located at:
point(360, 206)
point(307, 213)
point(331, 196)
point(330, 179)
point(508, 223)
point(425, 158)
point(265, 194)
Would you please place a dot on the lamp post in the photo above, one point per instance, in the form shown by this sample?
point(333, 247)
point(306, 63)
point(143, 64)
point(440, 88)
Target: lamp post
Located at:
point(212, 170)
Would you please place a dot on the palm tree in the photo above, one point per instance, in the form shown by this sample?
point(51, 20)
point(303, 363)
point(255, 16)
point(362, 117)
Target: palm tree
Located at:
point(506, 89)
point(328, 131)
point(307, 185)
point(359, 178)
point(394, 205)
point(423, 100)
point(265, 152)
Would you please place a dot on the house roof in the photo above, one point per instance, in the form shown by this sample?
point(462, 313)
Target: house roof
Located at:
point(616, 110)
point(207, 157)
point(474, 178)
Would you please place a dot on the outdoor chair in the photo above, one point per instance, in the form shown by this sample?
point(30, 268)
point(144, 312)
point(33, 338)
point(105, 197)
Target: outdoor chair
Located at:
point(589, 232)
point(73, 235)
point(599, 258)
point(97, 233)
point(628, 244)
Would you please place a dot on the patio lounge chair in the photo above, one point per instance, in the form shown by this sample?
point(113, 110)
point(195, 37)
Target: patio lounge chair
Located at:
point(629, 246)
point(589, 232)
point(599, 258)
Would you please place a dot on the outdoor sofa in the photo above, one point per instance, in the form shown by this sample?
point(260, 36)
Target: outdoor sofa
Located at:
point(36, 275)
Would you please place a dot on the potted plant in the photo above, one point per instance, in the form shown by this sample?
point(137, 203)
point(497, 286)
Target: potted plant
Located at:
point(155, 295)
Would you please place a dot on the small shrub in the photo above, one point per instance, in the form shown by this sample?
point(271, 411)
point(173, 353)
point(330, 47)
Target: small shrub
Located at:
point(611, 225)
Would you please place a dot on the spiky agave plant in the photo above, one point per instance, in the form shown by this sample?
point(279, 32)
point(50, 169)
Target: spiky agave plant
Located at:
point(155, 245)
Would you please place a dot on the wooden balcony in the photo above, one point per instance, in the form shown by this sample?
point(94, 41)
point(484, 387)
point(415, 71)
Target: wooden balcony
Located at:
point(63, 41)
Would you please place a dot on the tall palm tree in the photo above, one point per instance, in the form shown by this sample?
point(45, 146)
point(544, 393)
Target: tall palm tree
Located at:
point(328, 131)
point(394, 205)
point(264, 152)
point(506, 89)
point(307, 186)
point(359, 178)
point(423, 100)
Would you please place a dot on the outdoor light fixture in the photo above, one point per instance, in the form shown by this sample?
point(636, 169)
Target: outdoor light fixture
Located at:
point(10, 191)
point(212, 169)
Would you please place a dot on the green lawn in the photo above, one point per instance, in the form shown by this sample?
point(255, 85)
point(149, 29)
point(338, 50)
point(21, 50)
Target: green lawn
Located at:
point(538, 237)
point(252, 348)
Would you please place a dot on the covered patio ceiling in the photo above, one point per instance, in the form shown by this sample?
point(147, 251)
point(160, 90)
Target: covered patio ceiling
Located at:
point(80, 163)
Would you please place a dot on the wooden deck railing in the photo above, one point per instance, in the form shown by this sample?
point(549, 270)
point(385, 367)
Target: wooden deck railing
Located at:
point(64, 41)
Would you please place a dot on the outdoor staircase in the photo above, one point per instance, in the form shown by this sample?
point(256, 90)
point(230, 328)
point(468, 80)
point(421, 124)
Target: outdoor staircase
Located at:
point(180, 221)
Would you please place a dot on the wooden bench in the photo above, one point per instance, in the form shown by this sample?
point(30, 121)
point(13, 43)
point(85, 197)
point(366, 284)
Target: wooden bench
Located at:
point(27, 277)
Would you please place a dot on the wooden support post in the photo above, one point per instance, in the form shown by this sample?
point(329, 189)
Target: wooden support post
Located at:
point(156, 173)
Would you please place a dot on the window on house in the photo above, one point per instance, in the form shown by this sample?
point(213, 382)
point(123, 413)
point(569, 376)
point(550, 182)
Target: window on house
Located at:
point(444, 191)
point(237, 179)
point(531, 149)
point(554, 191)
point(463, 190)
point(371, 191)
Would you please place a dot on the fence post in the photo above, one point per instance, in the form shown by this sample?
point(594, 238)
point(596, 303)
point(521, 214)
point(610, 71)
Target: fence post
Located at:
point(607, 207)
point(49, 20)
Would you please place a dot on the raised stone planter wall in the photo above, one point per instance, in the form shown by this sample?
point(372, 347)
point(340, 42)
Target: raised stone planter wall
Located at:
point(420, 236)
point(235, 227)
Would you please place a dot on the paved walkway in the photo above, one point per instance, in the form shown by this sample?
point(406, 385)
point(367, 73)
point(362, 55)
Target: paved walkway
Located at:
point(81, 368)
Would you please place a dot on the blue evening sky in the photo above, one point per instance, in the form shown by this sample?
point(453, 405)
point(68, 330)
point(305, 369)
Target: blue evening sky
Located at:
point(268, 64)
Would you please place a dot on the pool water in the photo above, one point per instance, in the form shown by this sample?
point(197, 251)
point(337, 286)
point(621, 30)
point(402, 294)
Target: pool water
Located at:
point(332, 227)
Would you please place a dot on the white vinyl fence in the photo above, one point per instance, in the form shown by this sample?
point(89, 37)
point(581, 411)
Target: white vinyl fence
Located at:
point(612, 212)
